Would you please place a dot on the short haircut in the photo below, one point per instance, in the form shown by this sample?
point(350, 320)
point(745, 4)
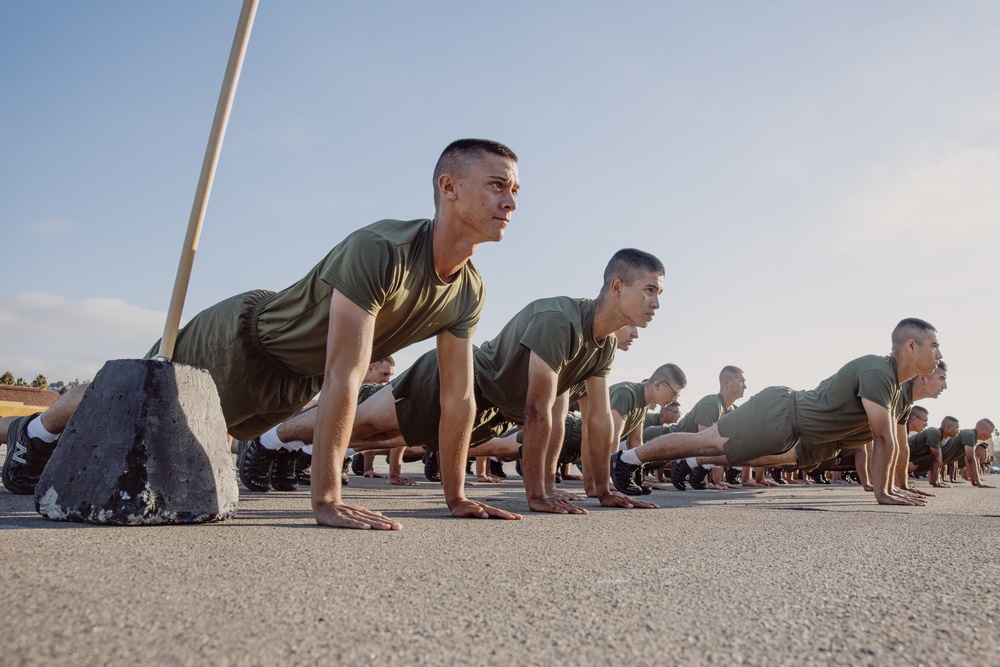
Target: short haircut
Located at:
point(670, 373)
point(987, 421)
point(392, 362)
point(628, 264)
point(675, 406)
point(730, 370)
point(460, 155)
point(911, 328)
point(943, 367)
point(919, 408)
point(948, 419)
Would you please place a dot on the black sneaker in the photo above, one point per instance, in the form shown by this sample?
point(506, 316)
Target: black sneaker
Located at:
point(358, 464)
point(558, 476)
point(623, 475)
point(26, 457)
point(733, 475)
point(303, 468)
point(517, 467)
point(698, 475)
point(496, 469)
point(679, 471)
point(283, 471)
point(431, 471)
point(343, 471)
point(254, 464)
point(776, 475)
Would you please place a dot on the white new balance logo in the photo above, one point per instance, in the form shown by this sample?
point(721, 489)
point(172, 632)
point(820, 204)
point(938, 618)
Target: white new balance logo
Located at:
point(19, 452)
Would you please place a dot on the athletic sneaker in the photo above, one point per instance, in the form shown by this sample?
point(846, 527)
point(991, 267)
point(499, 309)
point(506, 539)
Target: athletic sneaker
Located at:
point(358, 464)
point(26, 457)
point(303, 468)
point(431, 471)
point(343, 471)
point(679, 471)
point(639, 477)
point(733, 475)
point(496, 469)
point(698, 475)
point(283, 476)
point(254, 464)
point(623, 475)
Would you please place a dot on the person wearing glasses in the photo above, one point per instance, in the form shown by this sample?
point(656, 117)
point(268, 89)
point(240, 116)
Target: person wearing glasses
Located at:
point(707, 411)
point(629, 401)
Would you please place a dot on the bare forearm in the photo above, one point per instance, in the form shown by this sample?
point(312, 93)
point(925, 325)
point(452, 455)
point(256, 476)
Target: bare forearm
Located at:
point(454, 432)
point(601, 448)
point(881, 462)
point(334, 421)
point(537, 429)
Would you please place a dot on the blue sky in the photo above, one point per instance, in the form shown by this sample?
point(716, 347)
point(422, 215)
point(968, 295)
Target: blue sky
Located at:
point(810, 173)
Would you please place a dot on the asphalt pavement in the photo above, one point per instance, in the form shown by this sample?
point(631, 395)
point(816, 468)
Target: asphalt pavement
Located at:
point(805, 575)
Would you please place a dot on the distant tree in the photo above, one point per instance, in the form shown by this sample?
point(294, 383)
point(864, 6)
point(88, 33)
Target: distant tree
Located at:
point(40, 382)
point(7, 378)
point(20, 382)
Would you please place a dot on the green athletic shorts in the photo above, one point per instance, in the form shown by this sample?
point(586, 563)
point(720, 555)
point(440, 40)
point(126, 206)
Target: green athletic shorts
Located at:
point(763, 426)
point(255, 390)
point(923, 460)
point(418, 406)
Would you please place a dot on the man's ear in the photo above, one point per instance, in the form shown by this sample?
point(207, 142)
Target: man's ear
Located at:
point(446, 186)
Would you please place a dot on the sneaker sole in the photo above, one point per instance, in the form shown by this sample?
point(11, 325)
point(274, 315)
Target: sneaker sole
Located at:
point(243, 446)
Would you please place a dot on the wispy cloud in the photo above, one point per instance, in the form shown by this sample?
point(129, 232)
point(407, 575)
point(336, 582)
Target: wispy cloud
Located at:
point(52, 226)
point(938, 201)
point(40, 331)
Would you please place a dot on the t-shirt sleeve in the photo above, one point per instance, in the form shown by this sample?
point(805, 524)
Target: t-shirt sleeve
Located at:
point(878, 387)
point(550, 335)
point(706, 413)
point(363, 267)
point(474, 296)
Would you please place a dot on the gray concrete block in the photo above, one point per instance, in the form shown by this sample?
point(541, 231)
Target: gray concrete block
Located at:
point(147, 445)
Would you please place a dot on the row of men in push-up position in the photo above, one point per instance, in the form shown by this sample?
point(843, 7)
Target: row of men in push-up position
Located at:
point(920, 450)
point(396, 282)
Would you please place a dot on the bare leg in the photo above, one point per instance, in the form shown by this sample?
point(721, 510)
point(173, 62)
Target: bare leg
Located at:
point(55, 418)
point(682, 445)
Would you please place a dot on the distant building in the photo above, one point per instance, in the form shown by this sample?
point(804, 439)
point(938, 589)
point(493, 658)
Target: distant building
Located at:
point(15, 401)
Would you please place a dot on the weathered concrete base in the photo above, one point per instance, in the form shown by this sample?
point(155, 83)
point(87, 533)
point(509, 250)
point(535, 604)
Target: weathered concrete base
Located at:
point(147, 445)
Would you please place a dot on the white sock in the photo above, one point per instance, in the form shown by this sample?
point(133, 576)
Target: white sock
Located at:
point(630, 457)
point(270, 440)
point(293, 445)
point(307, 449)
point(707, 466)
point(349, 453)
point(36, 430)
point(693, 462)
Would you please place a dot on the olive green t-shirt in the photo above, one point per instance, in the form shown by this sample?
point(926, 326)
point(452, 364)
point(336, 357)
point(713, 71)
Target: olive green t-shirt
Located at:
point(386, 268)
point(651, 419)
point(560, 330)
point(707, 411)
point(833, 411)
point(921, 443)
point(954, 448)
point(629, 400)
